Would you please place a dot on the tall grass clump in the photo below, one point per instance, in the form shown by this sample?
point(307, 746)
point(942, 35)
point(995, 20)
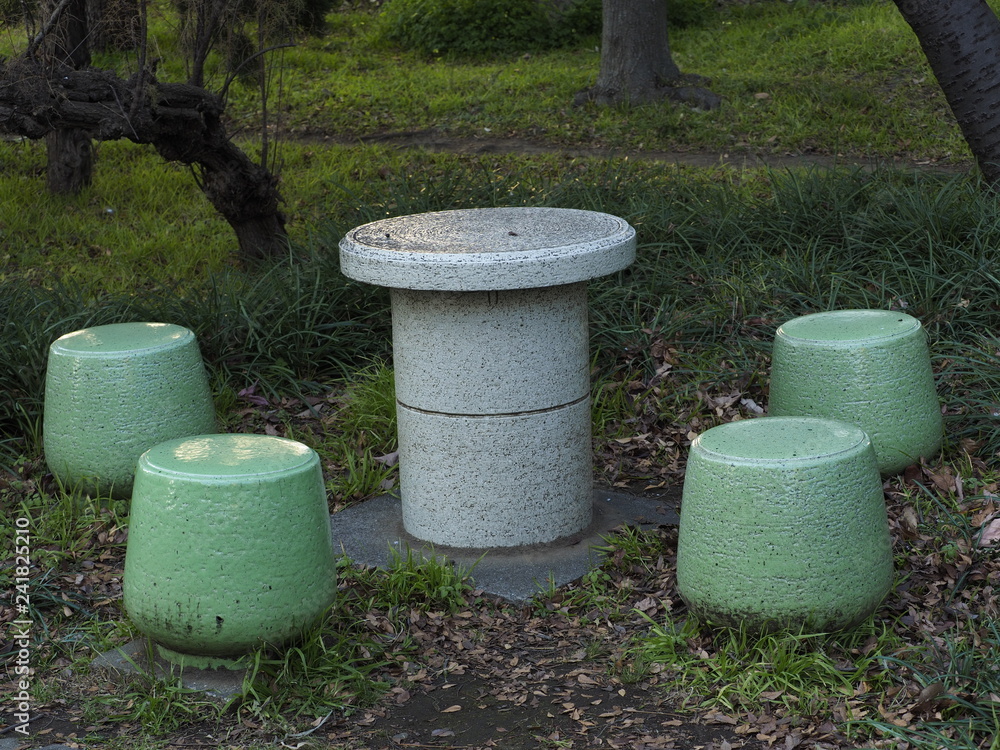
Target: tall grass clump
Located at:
point(741, 669)
point(724, 257)
point(285, 328)
point(963, 679)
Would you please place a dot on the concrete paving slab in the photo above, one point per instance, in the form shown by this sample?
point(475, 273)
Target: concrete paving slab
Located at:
point(134, 659)
point(19, 744)
point(367, 533)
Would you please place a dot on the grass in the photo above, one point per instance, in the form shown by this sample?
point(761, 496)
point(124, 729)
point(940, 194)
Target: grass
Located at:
point(719, 268)
point(841, 79)
point(678, 340)
point(746, 669)
point(860, 84)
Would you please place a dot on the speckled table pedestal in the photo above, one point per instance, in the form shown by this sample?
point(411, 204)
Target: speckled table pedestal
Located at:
point(113, 391)
point(868, 367)
point(783, 523)
point(491, 357)
point(229, 546)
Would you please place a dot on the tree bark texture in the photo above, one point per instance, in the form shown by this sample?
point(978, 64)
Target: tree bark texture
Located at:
point(182, 122)
point(636, 63)
point(70, 153)
point(961, 40)
point(70, 161)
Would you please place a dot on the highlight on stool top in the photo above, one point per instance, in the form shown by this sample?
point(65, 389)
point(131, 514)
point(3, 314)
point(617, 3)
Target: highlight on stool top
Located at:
point(229, 546)
point(113, 391)
point(868, 367)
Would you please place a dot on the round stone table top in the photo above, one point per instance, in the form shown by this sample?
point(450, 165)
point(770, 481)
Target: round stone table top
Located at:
point(482, 249)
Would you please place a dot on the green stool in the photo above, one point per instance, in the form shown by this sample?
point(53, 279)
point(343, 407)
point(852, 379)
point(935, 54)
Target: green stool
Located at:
point(869, 367)
point(783, 523)
point(229, 546)
point(113, 391)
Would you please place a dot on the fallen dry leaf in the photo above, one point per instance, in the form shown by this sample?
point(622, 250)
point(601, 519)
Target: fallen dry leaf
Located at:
point(991, 532)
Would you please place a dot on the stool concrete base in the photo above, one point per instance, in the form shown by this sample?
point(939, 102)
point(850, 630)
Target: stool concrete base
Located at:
point(868, 367)
point(229, 545)
point(113, 391)
point(142, 658)
point(783, 523)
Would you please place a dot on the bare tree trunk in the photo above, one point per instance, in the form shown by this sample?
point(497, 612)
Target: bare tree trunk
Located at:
point(636, 63)
point(245, 193)
point(70, 153)
point(960, 39)
point(70, 165)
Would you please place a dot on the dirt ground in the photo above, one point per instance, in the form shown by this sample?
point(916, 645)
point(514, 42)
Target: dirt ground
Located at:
point(552, 673)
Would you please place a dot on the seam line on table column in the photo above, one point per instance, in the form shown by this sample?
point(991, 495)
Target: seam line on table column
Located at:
point(501, 414)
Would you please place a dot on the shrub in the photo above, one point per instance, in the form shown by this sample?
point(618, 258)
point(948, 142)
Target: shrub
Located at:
point(467, 28)
point(684, 13)
point(311, 16)
point(577, 18)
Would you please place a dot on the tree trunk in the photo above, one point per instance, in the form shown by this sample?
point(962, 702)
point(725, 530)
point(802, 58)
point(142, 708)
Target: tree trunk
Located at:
point(245, 193)
point(636, 63)
point(70, 153)
point(70, 164)
point(184, 123)
point(960, 40)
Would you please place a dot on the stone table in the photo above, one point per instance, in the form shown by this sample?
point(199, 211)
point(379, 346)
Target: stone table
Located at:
point(491, 357)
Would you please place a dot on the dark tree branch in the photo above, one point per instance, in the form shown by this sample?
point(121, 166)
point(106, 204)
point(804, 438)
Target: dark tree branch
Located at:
point(243, 63)
point(182, 122)
point(47, 28)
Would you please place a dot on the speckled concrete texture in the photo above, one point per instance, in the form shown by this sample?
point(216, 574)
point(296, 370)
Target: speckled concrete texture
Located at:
point(113, 391)
point(483, 353)
point(783, 521)
point(868, 367)
point(485, 249)
point(229, 544)
point(489, 310)
point(498, 481)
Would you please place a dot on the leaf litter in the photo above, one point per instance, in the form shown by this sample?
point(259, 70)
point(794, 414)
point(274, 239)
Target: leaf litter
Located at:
point(559, 673)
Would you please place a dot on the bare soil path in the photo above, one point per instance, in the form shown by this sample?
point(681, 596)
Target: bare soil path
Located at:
point(435, 140)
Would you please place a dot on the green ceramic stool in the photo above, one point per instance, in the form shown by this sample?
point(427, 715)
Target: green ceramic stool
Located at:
point(113, 391)
point(783, 524)
point(229, 546)
point(869, 367)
